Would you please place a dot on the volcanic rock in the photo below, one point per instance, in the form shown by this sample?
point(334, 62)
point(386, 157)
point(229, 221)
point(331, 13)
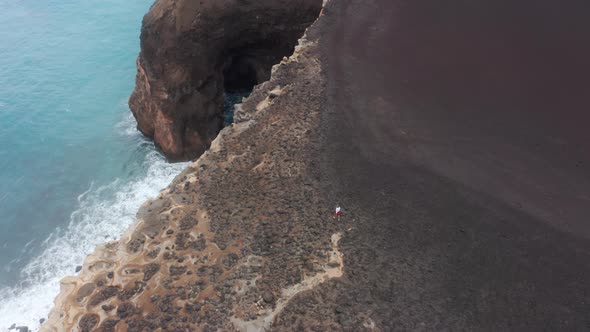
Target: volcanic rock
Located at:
point(385, 107)
point(268, 297)
point(191, 51)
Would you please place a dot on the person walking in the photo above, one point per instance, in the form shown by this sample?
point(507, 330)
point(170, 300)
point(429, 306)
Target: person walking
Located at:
point(337, 213)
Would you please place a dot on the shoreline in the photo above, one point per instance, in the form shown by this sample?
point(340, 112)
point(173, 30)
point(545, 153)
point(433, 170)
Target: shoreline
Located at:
point(159, 235)
point(104, 210)
point(408, 149)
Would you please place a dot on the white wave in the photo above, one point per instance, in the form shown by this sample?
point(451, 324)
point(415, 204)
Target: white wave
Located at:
point(103, 214)
point(127, 126)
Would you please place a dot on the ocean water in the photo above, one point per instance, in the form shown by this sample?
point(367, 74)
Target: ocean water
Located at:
point(73, 168)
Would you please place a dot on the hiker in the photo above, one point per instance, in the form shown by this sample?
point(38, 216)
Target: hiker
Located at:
point(337, 213)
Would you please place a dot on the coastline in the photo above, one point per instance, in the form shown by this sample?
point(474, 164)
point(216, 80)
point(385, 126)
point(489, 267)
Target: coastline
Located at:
point(184, 224)
point(349, 120)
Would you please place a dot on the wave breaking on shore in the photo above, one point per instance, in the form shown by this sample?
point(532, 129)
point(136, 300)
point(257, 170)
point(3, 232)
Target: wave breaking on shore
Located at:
point(103, 213)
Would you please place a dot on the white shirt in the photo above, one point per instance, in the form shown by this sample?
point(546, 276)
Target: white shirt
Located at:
point(337, 209)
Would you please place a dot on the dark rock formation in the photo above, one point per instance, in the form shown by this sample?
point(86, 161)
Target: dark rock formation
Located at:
point(221, 249)
point(460, 170)
point(191, 51)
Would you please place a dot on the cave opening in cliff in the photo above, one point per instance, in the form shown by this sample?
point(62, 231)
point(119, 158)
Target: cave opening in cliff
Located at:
point(239, 78)
point(199, 59)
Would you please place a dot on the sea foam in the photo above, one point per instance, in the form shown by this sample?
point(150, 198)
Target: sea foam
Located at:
point(103, 214)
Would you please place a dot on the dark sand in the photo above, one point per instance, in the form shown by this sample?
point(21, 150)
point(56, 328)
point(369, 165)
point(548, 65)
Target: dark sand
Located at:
point(457, 141)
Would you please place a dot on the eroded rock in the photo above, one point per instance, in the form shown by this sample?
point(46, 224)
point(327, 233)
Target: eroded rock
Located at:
point(88, 322)
point(202, 271)
point(191, 51)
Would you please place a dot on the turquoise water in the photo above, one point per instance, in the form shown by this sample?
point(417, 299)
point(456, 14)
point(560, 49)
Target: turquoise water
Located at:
point(73, 169)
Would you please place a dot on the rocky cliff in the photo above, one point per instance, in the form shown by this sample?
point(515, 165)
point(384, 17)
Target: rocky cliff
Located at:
point(234, 237)
point(192, 51)
point(456, 147)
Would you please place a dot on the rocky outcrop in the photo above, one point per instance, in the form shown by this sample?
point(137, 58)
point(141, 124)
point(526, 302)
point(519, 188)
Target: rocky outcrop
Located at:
point(243, 239)
point(235, 238)
point(191, 51)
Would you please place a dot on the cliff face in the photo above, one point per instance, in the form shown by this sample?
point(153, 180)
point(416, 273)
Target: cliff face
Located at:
point(234, 238)
point(461, 210)
point(191, 51)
